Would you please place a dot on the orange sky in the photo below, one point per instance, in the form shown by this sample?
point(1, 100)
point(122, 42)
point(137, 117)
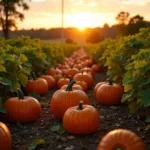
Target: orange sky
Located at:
point(80, 13)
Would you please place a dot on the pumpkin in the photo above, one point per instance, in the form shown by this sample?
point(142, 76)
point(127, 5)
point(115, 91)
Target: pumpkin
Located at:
point(84, 77)
point(83, 85)
point(72, 71)
point(64, 99)
point(62, 81)
point(97, 86)
point(50, 80)
point(37, 85)
point(88, 70)
point(82, 119)
point(96, 68)
point(74, 87)
point(121, 139)
point(109, 93)
point(22, 108)
point(5, 137)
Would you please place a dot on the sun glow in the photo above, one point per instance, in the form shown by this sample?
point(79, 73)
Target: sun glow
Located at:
point(83, 20)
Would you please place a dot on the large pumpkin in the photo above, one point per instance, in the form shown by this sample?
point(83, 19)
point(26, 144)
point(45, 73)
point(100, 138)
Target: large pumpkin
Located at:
point(63, 99)
point(22, 108)
point(109, 93)
point(5, 137)
point(82, 119)
point(121, 139)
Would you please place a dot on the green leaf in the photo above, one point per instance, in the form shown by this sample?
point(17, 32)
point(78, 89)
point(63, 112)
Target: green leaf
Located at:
point(2, 68)
point(6, 81)
point(2, 110)
point(127, 87)
point(143, 82)
point(134, 106)
point(147, 119)
point(126, 96)
point(58, 128)
point(23, 79)
point(35, 143)
point(145, 97)
point(127, 78)
point(148, 127)
point(14, 85)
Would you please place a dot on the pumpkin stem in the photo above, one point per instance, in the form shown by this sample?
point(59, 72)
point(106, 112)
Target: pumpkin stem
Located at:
point(80, 107)
point(118, 148)
point(71, 83)
point(33, 75)
point(20, 94)
point(110, 81)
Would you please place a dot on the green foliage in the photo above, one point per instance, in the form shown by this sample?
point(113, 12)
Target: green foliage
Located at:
point(22, 56)
point(127, 60)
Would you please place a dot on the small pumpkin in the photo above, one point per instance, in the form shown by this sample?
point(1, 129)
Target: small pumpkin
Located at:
point(83, 85)
point(50, 80)
point(96, 68)
point(97, 86)
point(22, 108)
point(37, 85)
point(84, 77)
point(82, 119)
point(5, 137)
point(109, 93)
point(121, 139)
point(62, 81)
point(64, 99)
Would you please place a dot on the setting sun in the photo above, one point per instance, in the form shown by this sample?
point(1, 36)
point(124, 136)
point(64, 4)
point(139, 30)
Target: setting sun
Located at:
point(83, 20)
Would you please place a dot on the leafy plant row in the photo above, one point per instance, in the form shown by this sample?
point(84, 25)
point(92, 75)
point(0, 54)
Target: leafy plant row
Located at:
point(127, 60)
point(22, 56)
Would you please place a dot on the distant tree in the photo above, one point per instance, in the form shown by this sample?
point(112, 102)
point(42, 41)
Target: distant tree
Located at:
point(94, 37)
point(122, 19)
point(135, 23)
point(9, 13)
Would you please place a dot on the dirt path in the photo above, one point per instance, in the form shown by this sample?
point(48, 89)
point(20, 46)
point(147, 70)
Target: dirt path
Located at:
point(111, 118)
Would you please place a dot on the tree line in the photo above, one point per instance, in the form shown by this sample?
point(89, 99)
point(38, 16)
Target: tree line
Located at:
point(11, 12)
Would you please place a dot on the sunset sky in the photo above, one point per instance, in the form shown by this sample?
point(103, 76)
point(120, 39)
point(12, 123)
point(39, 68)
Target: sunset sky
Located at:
point(80, 13)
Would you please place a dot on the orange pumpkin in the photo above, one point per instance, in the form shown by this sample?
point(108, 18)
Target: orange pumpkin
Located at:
point(82, 119)
point(62, 81)
point(22, 108)
point(5, 137)
point(84, 77)
point(63, 99)
point(74, 87)
point(72, 71)
point(96, 68)
point(50, 80)
point(109, 93)
point(97, 86)
point(121, 139)
point(83, 85)
point(38, 85)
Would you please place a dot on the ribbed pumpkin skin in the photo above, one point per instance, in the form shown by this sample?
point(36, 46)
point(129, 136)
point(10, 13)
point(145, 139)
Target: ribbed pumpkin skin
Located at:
point(62, 81)
point(71, 72)
point(50, 80)
point(25, 110)
point(84, 121)
point(5, 137)
point(84, 77)
point(62, 100)
point(74, 87)
point(121, 138)
point(96, 68)
point(109, 94)
point(97, 86)
point(39, 86)
point(83, 85)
